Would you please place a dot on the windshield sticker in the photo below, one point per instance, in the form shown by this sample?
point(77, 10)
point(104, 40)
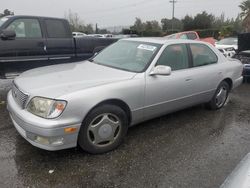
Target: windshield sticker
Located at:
point(146, 47)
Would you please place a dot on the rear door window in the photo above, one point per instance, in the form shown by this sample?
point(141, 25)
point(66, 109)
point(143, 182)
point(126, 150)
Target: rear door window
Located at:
point(202, 55)
point(57, 29)
point(191, 36)
point(175, 56)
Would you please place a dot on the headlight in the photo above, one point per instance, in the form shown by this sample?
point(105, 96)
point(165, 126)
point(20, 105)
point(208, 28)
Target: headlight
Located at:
point(46, 108)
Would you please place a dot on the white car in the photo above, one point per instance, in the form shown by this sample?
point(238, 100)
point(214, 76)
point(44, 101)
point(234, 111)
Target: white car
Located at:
point(227, 46)
point(78, 34)
point(93, 103)
point(96, 35)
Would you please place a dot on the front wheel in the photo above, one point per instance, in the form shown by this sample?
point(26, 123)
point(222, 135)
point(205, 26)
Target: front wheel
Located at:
point(220, 97)
point(103, 129)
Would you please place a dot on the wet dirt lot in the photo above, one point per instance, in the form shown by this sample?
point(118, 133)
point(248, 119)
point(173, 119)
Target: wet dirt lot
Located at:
point(192, 148)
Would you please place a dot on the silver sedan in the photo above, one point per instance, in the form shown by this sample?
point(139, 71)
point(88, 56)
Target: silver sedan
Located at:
point(93, 103)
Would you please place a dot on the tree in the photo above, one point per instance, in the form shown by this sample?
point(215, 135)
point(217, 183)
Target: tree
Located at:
point(74, 20)
point(77, 24)
point(200, 21)
point(103, 31)
point(6, 12)
point(188, 23)
point(219, 21)
point(245, 8)
point(167, 24)
point(148, 28)
point(203, 20)
point(138, 26)
point(237, 25)
point(152, 28)
point(245, 14)
point(88, 29)
point(227, 31)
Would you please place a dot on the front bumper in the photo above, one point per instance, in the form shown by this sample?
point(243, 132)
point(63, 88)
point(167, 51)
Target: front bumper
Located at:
point(42, 133)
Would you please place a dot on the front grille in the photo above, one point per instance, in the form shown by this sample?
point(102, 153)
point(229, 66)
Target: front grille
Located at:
point(20, 97)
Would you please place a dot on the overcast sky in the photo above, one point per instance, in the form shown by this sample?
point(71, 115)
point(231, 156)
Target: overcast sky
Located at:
point(121, 12)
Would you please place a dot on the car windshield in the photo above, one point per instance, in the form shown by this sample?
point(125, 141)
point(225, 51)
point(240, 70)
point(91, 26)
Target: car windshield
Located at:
point(128, 55)
point(2, 20)
point(174, 36)
point(228, 41)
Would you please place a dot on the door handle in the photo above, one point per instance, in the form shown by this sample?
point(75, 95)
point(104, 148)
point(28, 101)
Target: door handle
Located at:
point(40, 44)
point(188, 79)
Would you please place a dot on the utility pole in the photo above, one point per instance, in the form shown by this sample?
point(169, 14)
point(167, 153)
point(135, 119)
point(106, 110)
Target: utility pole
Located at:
point(173, 2)
point(96, 28)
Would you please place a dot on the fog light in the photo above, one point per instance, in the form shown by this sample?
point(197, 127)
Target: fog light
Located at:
point(49, 141)
point(56, 141)
point(42, 140)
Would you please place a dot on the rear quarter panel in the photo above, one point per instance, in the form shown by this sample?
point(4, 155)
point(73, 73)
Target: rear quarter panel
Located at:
point(229, 67)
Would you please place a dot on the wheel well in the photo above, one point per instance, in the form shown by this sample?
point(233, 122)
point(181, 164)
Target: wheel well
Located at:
point(119, 103)
point(230, 82)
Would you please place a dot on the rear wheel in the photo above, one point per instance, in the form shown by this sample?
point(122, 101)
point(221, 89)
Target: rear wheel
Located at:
point(103, 129)
point(220, 97)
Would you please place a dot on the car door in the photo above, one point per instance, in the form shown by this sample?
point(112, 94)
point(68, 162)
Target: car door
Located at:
point(164, 94)
point(27, 46)
point(207, 72)
point(60, 43)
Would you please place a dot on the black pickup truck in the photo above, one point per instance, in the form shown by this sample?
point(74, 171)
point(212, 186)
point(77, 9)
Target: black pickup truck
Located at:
point(243, 54)
point(29, 41)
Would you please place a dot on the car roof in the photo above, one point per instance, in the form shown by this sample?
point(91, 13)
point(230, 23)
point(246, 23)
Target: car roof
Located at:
point(162, 40)
point(28, 16)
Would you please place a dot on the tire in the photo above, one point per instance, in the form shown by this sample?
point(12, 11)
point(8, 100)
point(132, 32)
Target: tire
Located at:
point(220, 97)
point(103, 129)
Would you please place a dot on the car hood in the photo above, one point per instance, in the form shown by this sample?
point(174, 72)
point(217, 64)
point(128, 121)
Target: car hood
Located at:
point(57, 80)
point(224, 46)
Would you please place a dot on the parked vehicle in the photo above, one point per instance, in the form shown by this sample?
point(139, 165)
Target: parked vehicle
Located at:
point(97, 35)
point(239, 177)
point(228, 45)
point(243, 54)
point(192, 35)
point(29, 41)
point(108, 35)
point(93, 103)
point(78, 34)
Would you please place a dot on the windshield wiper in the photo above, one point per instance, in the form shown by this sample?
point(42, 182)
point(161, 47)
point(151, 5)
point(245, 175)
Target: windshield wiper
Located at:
point(90, 60)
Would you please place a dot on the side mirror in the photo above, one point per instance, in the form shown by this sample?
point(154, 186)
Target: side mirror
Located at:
point(7, 34)
point(161, 70)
